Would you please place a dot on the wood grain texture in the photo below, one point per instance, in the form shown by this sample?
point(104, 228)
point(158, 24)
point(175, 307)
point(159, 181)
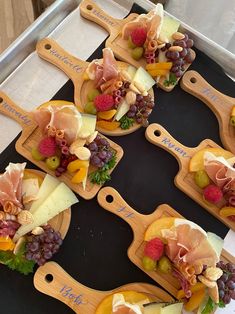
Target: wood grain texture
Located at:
point(81, 299)
point(74, 68)
point(30, 138)
point(221, 105)
point(184, 179)
point(111, 200)
point(94, 13)
point(15, 17)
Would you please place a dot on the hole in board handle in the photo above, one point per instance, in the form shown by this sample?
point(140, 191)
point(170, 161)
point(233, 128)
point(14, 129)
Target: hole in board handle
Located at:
point(193, 80)
point(109, 199)
point(157, 133)
point(1, 100)
point(89, 7)
point(47, 46)
point(49, 278)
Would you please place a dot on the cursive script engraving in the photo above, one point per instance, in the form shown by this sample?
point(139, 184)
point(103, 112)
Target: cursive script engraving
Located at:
point(167, 142)
point(67, 292)
point(127, 213)
point(102, 17)
point(66, 60)
point(214, 98)
point(24, 118)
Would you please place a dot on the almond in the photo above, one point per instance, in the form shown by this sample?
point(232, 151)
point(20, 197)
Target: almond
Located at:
point(161, 46)
point(213, 273)
point(175, 48)
point(207, 282)
point(130, 97)
point(178, 36)
point(37, 231)
point(82, 153)
point(25, 217)
point(134, 89)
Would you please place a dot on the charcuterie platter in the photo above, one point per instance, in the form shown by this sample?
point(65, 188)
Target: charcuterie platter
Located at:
point(143, 229)
point(151, 42)
point(51, 279)
point(221, 104)
point(26, 145)
point(120, 96)
point(198, 173)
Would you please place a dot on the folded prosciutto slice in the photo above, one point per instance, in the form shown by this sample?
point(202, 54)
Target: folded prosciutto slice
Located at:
point(66, 118)
point(11, 184)
point(189, 250)
point(104, 70)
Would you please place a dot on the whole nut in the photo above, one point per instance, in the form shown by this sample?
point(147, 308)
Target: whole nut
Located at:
point(178, 36)
point(25, 217)
point(37, 231)
point(207, 282)
point(175, 48)
point(130, 97)
point(82, 153)
point(161, 46)
point(213, 273)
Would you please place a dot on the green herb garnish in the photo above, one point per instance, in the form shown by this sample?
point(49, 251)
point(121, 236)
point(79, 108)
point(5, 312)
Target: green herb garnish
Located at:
point(172, 80)
point(126, 123)
point(209, 307)
point(102, 175)
point(17, 261)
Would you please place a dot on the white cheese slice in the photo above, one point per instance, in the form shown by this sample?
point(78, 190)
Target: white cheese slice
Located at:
point(60, 199)
point(172, 309)
point(48, 185)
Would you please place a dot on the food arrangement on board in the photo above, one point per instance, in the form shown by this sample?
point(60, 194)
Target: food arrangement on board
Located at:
point(32, 218)
point(152, 41)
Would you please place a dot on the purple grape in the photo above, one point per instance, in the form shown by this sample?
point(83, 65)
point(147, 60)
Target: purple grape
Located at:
point(230, 284)
point(179, 62)
point(227, 298)
point(221, 294)
point(130, 114)
point(230, 267)
point(168, 54)
point(102, 155)
point(41, 261)
point(93, 147)
point(221, 265)
point(150, 105)
point(232, 294)
point(221, 284)
point(133, 108)
point(183, 53)
point(146, 114)
point(139, 120)
point(127, 85)
point(104, 142)
point(180, 43)
point(224, 277)
point(29, 256)
point(101, 165)
point(168, 45)
point(189, 43)
point(175, 55)
point(189, 57)
point(185, 37)
point(145, 123)
point(95, 161)
point(179, 73)
point(123, 94)
point(34, 246)
point(139, 97)
point(47, 255)
point(232, 277)
point(97, 139)
point(175, 69)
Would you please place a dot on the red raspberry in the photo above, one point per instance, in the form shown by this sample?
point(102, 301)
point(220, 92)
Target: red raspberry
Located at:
point(154, 249)
point(47, 147)
point(232, 217)
point(103, 102)
point(212, 194)
point(138, 36)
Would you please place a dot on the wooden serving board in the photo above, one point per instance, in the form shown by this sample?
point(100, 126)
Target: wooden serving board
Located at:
point(51, 279)
point(61, 222)
point(193, 83)
point(111, 200)
point(94, 13)
point(184, 179)
point(75, 68)
point(30, 137)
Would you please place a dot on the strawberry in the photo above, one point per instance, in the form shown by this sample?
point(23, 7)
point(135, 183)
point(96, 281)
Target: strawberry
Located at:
point(212, 194)
point(47, 146)
point(154, 249)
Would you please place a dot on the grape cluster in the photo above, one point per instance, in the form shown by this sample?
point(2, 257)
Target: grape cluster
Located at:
point(41, 248)
point(101, 152)
point(226, 283)
point(179, 59)
point(141, 110)
point(8, 228)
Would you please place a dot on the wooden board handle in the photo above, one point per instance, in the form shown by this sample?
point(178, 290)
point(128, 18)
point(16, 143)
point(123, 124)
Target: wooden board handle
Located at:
point(193, 83)
point(52, 52)
point(157, 135)
point(51, 279)
point(111, 200)
point(11, 110)
point(94, 13)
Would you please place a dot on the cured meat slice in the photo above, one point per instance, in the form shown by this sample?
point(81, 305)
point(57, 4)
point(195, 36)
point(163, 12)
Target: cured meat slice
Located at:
point(11, 184)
